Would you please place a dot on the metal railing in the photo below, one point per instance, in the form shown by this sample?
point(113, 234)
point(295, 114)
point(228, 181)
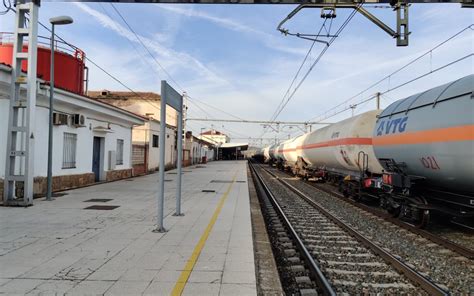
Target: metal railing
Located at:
point(45, 42)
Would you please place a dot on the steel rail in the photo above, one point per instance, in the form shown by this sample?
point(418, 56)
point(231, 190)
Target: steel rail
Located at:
point(425, 283)
point(318, 275)
point(461, 250)
point(450, 245)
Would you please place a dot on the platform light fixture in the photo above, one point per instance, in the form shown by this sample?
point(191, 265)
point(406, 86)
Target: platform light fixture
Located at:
point(55, 21)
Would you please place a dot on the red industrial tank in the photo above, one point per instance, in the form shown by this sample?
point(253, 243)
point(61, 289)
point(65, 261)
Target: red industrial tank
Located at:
point(68, 68)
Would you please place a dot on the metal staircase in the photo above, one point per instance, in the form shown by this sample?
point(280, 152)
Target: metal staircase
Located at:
point(18, 184)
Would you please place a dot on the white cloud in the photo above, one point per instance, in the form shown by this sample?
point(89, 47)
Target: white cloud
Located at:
point(269, 40)
point(170, 59)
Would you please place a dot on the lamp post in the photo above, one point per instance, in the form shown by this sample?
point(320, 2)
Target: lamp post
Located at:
point(201, 137)
point(59, 20)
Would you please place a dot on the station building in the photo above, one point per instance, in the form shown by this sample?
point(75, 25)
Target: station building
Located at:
point(91, 140)
point(196, 150)
point(214, 136)
point(145, 146)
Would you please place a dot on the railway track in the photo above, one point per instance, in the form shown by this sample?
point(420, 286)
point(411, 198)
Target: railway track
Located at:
point(452, 271)
point(338, 258)
point(435, 238)
point(461, 247)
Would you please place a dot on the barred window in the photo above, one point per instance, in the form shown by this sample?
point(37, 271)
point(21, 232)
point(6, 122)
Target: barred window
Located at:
point(155, 141)
point(119, 152)
point(69, 150)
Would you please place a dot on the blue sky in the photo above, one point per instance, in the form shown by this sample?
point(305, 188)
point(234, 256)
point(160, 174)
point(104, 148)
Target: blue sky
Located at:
point(232, 57)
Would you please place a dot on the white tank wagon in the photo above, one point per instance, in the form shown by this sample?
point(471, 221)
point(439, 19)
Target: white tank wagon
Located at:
point(271, 153)
point(278, 154)
point(291, 151)
point(266, 154)
point(426, 145)
point(343, 149)
point(258, 155)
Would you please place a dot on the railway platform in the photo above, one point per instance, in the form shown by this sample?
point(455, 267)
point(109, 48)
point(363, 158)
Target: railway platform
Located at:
point(60, 247)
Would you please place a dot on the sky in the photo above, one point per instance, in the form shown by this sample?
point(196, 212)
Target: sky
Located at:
point(232, 58)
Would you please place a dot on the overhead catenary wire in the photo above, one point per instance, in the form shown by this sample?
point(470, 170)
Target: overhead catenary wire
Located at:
point(8, 7)
point(297, 73)
point(151, 102)
point(323, 51)
point(428, 52)
point(316, 61)
point(199, 107)
point(402, 84)
point(132, 44)
point(93, 62)
point(147, 49)
point(162, 67)
point(191, 99)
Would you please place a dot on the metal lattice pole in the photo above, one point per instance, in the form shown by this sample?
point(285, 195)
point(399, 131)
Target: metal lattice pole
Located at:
point(19, 167)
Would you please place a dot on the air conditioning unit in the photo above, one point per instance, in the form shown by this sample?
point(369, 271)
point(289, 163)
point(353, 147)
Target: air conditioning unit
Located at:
point(78, 120)
point(60, 118)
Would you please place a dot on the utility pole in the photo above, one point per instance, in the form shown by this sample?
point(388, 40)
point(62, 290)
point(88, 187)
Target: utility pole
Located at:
point(19, 160)
point(377, 100)
point(352, 109)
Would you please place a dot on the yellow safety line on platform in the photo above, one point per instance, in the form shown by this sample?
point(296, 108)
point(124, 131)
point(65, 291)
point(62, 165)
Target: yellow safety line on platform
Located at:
point(183, 278)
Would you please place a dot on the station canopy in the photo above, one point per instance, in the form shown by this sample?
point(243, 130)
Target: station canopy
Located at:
point(234, 145)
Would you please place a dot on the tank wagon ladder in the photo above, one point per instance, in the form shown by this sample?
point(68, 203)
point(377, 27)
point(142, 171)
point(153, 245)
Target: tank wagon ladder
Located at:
point(363, 164)
point(18, 185)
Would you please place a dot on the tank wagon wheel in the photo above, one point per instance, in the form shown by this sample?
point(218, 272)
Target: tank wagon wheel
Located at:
point(357, 195)
point(422, 217)
point(344, 189)
point(340, 186)
point(395, 212)
point(386, 204)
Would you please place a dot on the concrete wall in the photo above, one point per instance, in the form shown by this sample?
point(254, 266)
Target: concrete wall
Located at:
point(85, 137)
point(144, 135)
point(207, 152)
point(146, 108)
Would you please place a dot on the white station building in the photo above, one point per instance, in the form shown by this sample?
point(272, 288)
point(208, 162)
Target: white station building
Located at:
point(92, 140)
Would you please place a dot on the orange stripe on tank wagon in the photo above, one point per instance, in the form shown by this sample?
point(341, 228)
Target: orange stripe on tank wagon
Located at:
point(344, 141)
point(450, 134)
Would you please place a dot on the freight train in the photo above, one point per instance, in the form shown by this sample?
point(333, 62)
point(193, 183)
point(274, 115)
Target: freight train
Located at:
point(416, 156)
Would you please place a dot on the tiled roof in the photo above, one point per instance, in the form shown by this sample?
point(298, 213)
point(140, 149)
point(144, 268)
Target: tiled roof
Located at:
point(213, 132)
point(123, 95)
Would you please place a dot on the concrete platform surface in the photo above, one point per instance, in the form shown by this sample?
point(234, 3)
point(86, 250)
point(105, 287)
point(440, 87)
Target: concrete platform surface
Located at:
point(58, 247)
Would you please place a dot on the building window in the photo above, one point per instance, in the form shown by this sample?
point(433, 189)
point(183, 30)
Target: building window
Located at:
point(155, 141)
point(119, 152)
point(69, 151)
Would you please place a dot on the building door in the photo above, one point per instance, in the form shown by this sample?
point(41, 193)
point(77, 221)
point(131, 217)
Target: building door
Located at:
point(96, 158)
